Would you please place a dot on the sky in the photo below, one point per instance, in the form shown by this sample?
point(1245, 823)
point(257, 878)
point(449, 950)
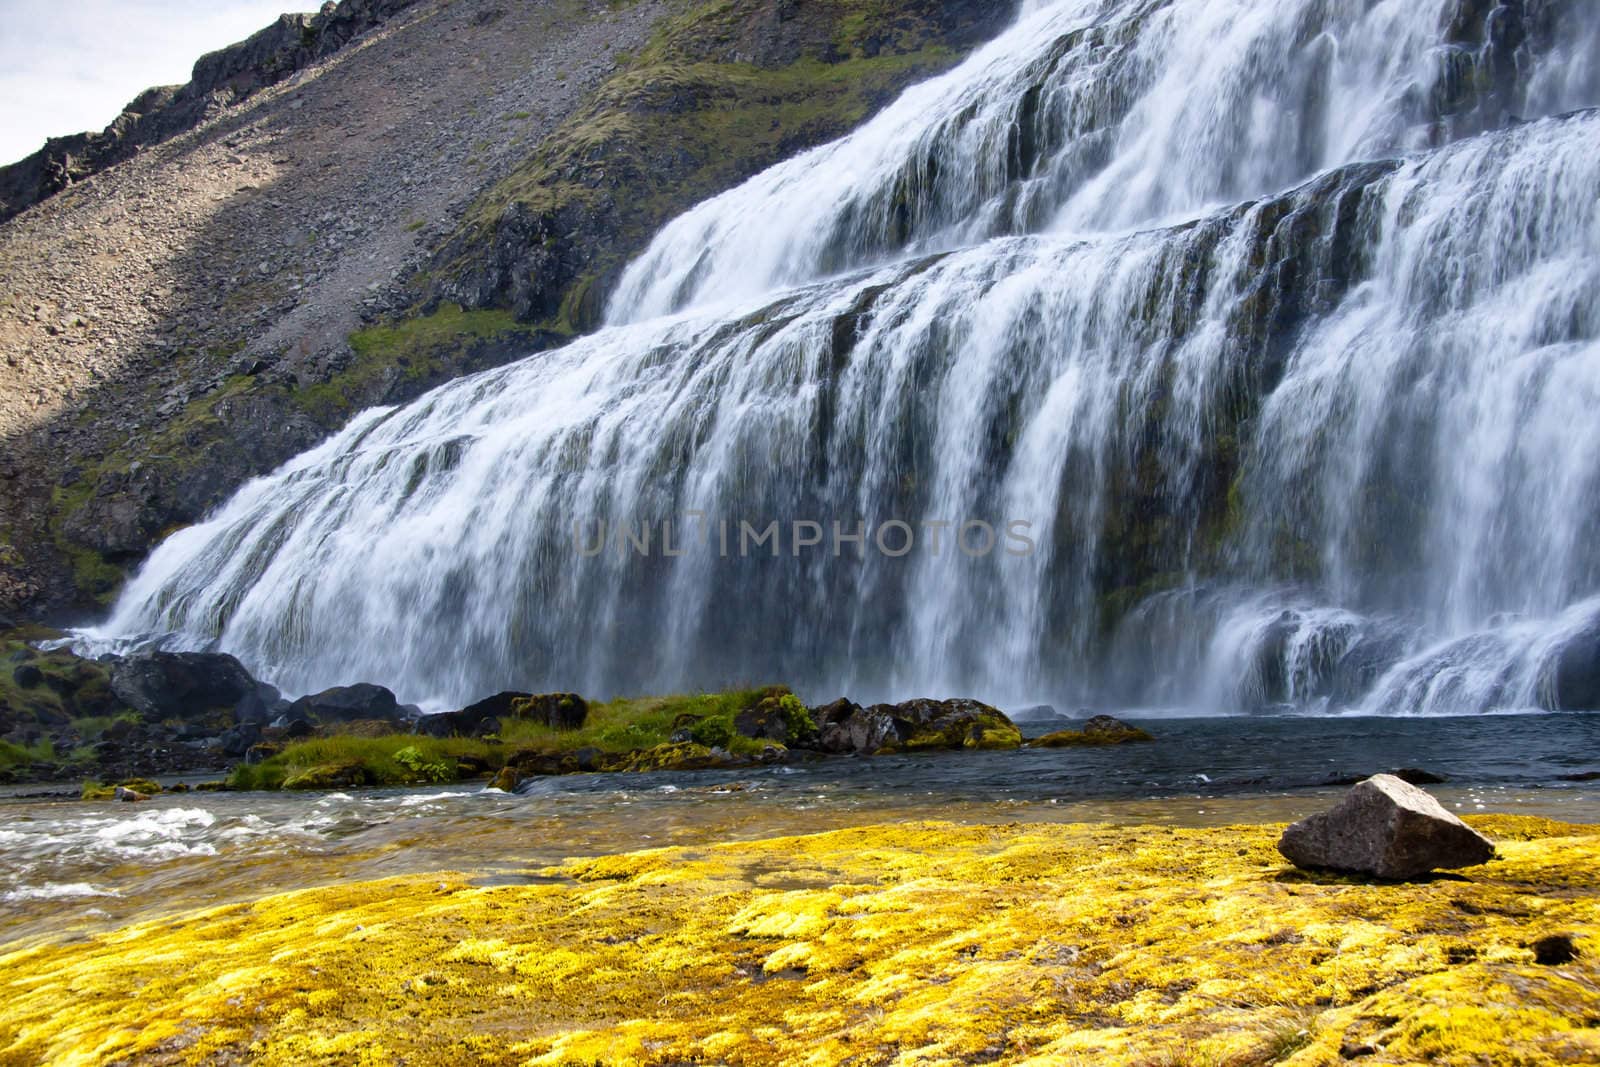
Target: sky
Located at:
point(70, 65)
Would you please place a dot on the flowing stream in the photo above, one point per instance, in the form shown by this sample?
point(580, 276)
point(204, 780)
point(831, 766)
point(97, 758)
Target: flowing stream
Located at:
point(71, 869)
point(1262, 335)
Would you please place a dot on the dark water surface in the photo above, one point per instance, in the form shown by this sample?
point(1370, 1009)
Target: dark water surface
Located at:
point(69, 868)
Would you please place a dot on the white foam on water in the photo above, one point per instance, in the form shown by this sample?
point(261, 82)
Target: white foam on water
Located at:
point(55, 891)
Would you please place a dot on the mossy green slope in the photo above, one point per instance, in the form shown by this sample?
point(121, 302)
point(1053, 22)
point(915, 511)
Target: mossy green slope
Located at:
point(925, 943)
point(65, 694)
point(726, 89)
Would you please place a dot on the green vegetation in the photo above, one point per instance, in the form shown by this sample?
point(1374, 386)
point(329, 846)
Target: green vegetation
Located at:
point(346, 760)
point(93, 790)
point(15, 757)
point(738, 113)
point(183, 441)
point(421, 350)
point(631, 728)
point(67, 693)
point(693, 113)
point(389, 361)
point(412, 759)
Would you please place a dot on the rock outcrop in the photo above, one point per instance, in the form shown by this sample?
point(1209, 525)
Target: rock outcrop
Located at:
point(915, 725)
point(1386, 828)
point(220, 80)
point(1099, 730)
point(558, 711)
point(181, 685)
point(1575, 674)
point(347, 703)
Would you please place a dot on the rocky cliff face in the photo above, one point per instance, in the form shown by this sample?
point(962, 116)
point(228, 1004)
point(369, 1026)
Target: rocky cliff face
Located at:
point(353, 206)
point(221, 80)
point(723, 92)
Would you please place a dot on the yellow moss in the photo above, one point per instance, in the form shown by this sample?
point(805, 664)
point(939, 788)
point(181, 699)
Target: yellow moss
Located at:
point(919, 944)
point(99, 791)
point(1079, 739)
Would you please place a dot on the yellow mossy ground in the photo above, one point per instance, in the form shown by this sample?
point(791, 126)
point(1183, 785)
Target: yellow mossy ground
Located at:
point(925, 943)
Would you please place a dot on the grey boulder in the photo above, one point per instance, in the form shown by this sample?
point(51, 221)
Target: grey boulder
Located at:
point(1387, 828)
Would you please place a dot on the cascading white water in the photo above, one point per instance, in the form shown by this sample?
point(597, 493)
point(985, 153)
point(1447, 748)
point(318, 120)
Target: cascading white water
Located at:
point(1275, 322)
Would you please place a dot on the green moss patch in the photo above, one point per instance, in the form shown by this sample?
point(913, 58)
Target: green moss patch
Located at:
point(621, 735)
point(411, 354)
point(346, 760)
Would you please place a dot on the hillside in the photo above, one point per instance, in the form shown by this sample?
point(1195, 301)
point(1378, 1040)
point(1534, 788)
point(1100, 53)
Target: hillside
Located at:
point(437, 187)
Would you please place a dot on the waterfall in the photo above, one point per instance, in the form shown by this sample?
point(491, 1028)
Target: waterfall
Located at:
point(1261, 336)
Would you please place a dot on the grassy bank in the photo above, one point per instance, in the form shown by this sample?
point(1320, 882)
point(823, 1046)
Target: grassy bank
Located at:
point(923, 943)
point(64, 694)
point(633, 725)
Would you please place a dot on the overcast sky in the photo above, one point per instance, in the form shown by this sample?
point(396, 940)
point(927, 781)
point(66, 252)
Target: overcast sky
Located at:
point(70, 65)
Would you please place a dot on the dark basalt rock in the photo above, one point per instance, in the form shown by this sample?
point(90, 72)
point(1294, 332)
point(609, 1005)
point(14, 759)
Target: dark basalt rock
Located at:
point(690, 757)
point(347, 703)
point(339, 775)
point(181, 685)
point(761, 724)
point(957, 723)
point(776, 715)
point(1387, 828)
point(1099, 730)
point(443, 724)
point(915, 725)
point(1270, 672)
point(1576, 674)
point(27, 676)
point(1554, 950)
point(468, 720)
point(1036, 713)
point(845, 727)
point(238, 741)
point(261, 706)
point(1108, 727)
point(1362, 665)
point(559, 711)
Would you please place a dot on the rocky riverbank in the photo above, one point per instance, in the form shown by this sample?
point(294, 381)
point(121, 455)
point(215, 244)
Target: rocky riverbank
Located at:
point(153, 714)
point(923, 942)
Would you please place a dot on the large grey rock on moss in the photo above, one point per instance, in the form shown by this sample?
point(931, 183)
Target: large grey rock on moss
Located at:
point(1388, 828)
